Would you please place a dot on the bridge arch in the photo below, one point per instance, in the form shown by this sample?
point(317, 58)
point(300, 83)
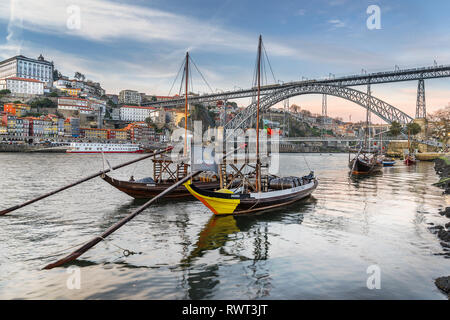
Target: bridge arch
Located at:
point(380, 108)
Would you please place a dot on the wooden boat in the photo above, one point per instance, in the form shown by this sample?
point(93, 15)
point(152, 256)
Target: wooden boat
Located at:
point(388, 162)
point(409, 160)
point(225, 201)
point(147, 188)
point(255, 192)
point(362, 164)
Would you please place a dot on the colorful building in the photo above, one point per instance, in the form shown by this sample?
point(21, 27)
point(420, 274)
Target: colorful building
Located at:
point(74, 92)
point(16, 109)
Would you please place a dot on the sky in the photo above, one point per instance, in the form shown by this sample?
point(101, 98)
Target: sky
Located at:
point(140, 45)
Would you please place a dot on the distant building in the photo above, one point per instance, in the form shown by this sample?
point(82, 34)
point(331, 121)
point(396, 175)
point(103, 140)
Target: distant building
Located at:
point(75, 104)
point(16, 109)
point(86, 88)
point(134, 113)
point(24, 86)
point(130, 97)
point(28, 68)
point(114, 98)
point(74, 92)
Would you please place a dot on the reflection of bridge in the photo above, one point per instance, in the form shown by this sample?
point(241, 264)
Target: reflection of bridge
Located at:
point(338, 87)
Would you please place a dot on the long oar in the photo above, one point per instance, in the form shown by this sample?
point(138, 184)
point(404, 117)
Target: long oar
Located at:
point(3, 212)
point(74, 255)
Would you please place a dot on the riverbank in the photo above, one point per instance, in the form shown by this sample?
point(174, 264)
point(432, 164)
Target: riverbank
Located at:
point(442, 167)
point(4, 147)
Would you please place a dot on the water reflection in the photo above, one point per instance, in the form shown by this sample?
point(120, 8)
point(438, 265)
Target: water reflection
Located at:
point(241, 231)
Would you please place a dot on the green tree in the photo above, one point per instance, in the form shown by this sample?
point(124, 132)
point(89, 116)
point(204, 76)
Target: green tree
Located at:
point(149, 121)
point(43, 103)
point(395, 129)
point(5, 91)
point(413, 128)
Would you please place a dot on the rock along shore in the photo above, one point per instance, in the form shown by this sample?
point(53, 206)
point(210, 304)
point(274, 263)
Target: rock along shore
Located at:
point(442, 167)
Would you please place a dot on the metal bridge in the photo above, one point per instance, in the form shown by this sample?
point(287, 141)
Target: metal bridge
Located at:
point(272, 94)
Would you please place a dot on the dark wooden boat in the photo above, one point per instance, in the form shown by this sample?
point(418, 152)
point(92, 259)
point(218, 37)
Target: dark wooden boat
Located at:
point(146, 190)
point(362, 164)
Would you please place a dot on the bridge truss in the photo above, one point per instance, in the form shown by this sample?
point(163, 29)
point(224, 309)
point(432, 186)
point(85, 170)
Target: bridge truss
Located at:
point(380, 108)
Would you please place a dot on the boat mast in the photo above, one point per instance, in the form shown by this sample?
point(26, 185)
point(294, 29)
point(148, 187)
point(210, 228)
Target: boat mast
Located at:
point(258, 162)
point(186, 68)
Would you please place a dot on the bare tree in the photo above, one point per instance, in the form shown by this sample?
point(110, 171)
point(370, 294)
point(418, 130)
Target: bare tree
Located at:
point(440, 124)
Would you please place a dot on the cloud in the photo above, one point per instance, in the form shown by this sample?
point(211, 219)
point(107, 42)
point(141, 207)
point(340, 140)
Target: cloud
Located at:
point(336, 23)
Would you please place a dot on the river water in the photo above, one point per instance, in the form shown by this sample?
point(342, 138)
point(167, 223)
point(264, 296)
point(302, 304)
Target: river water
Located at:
point(326, 247)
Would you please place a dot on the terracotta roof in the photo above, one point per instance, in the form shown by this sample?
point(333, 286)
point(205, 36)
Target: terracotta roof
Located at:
point(72, 98)
point(23, 79)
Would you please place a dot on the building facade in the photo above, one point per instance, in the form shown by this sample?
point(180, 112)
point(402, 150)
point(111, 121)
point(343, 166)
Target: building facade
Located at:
point(130, 97)
point(23, 86)
point(28, 68)
point(133, 113)
point(75, 104)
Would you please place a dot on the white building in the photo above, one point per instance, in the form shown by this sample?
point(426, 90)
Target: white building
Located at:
point(23, 67)
point(86, 87)
point(133, 113)
point(75, 104)
point(24, 86)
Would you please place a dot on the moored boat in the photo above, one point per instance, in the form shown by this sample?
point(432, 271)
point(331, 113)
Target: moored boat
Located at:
point(88, 147)
point(226, 202)
point(255, 191)
point(362, 164)
point(388, 162)
point(410, 160)
point(147, 188)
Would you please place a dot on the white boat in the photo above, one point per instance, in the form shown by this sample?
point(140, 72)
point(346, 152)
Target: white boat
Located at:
point(87, 147)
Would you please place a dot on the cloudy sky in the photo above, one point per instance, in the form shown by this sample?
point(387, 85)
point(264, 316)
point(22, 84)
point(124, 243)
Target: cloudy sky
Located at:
point(140, 44)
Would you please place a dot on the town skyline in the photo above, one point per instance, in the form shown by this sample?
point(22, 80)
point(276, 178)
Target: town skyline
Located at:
point(143, 51)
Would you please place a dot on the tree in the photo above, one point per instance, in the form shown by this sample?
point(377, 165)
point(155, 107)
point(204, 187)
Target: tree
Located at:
point(413, 128)
point(79, 76)
point(149, 121)
point(5, 91)
point(56, 75)
point(43, 103)
point(395, 129)
point(440, 124)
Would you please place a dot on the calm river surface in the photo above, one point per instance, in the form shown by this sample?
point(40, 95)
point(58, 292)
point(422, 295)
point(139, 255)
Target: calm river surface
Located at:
point(317, 249)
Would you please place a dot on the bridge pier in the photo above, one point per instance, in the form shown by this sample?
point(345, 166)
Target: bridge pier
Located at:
point(421, 110)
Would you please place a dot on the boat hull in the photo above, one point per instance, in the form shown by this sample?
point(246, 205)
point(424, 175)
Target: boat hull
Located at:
point(363, 167)
point(148, 190)
point(137, 151)
point(388, 163)
point(236, 204)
